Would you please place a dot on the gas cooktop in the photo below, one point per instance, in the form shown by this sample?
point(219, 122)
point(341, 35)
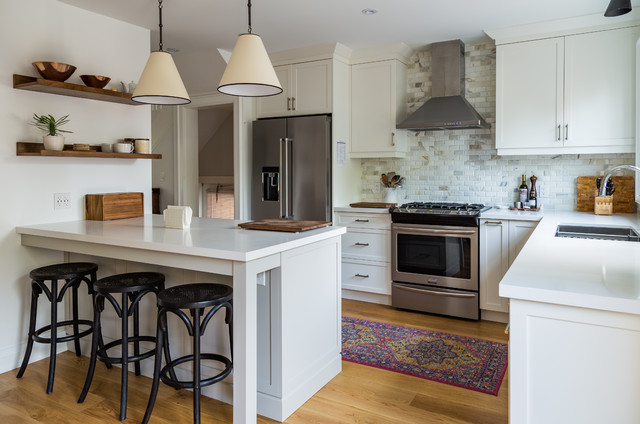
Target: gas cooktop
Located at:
point(438, 213)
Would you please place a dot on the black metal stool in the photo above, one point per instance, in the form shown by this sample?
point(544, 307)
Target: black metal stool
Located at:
point(133, 287)
point(196, 298)
point(73, 274)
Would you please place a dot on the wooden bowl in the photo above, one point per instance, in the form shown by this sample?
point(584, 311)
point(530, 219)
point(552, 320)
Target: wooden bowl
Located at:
point(56, 71)
point(95, 81)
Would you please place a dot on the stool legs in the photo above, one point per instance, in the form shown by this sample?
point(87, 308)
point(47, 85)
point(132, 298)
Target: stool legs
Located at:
point(160, 335)
point(53, 335)
point(196, 313)
point(35, 292)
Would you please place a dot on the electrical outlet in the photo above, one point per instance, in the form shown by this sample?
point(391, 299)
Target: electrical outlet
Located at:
point(61, 200)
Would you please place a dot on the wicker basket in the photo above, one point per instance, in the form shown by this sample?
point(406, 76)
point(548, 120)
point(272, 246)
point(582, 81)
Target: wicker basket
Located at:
point(603, 205)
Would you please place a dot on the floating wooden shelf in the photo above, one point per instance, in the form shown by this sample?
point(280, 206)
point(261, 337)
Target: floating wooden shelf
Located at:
point(23, 82)
point(37, 149)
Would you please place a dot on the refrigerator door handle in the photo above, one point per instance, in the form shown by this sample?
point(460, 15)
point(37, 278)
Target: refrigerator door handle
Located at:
point(288, 184)
point(282, 181)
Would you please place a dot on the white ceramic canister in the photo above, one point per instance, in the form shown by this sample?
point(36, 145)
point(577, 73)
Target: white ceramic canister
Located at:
point(142, 145)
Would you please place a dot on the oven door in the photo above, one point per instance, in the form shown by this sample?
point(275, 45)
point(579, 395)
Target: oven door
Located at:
point(435, 255)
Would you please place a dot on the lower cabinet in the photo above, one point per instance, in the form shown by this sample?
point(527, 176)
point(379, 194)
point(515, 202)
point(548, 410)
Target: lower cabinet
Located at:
point(500, 242)
point(366, 255)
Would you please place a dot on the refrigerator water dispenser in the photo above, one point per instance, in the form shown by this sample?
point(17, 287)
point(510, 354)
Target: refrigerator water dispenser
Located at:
point(270, 178)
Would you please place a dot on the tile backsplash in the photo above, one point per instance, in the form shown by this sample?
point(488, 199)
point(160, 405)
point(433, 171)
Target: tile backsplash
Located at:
point(463, 165)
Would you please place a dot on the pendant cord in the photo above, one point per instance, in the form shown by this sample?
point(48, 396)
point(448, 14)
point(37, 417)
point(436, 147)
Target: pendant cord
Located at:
point(160, 20)
point(249, 12)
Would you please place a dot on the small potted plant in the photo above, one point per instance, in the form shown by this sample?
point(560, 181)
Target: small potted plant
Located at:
point(53, 138)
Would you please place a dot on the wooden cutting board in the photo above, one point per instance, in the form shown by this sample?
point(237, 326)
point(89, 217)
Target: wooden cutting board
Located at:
point(288, 225)
point(623, 198)
point(372, 205)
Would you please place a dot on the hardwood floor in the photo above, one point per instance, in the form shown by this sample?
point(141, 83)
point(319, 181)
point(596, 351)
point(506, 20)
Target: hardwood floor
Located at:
point(359, 394)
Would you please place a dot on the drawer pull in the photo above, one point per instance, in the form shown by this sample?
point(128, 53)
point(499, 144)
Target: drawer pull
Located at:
point(493, 223)
point(362, 275)
point(362, 220)
point(362, 244)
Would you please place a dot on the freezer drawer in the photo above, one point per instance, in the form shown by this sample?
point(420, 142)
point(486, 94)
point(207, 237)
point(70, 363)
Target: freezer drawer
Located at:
point(435, 300)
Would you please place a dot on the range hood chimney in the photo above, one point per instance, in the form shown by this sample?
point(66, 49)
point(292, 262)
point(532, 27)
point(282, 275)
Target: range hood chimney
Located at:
point(447, 108)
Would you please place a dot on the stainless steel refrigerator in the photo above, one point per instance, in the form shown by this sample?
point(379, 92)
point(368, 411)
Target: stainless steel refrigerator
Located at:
point(291, 171)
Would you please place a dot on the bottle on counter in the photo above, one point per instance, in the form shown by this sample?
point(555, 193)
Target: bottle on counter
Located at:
point(524, 191)
point(533, 193)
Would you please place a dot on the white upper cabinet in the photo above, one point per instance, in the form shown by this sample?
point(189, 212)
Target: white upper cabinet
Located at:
point(378, 103)
point(568, 94)
point(307, 89)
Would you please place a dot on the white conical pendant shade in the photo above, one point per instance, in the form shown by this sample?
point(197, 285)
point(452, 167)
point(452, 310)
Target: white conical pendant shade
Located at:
point(160, 82)
point(249, 72)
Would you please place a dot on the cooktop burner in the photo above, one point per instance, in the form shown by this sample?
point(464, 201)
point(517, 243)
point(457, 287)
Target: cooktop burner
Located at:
point(438, 213)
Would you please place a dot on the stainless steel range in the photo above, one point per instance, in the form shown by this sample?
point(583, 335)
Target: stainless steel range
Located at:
point(435, 258)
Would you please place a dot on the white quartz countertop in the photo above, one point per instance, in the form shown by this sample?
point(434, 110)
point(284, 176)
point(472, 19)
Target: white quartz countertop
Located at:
point(214, 238)
point(360, 210)
point(597, 274)
point(506, 213)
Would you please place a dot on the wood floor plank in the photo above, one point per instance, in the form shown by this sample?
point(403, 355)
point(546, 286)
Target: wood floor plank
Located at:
point(359, 394)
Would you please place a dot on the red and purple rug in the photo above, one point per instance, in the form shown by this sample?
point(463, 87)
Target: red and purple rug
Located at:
point(467, 362)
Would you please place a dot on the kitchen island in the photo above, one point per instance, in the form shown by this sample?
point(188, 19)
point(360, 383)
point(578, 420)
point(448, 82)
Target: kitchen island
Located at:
point(574, 315)
point(287, 314)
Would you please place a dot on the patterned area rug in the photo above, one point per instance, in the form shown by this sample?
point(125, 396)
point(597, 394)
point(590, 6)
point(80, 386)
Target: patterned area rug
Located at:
point(467, 362)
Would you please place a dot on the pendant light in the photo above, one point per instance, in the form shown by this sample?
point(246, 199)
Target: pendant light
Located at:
point(618, 7)
point(160, 82)
point(249, 72)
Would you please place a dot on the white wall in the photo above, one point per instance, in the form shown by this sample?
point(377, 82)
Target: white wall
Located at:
point(32, 30)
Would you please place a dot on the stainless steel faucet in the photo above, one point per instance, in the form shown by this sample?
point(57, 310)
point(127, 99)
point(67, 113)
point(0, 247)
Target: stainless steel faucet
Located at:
point(603, 186)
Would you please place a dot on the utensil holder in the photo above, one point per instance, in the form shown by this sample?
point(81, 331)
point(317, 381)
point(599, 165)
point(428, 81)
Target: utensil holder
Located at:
point(603, 205)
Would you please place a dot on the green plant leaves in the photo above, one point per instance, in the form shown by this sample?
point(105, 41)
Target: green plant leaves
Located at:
point(50, 125)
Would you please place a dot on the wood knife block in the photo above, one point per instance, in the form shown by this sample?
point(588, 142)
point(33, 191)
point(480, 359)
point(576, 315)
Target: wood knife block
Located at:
point(603, 205)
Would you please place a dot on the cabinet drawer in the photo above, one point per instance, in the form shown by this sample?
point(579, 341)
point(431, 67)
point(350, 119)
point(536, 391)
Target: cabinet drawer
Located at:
point(380, 221)
point(370, 245)
point(366, 278)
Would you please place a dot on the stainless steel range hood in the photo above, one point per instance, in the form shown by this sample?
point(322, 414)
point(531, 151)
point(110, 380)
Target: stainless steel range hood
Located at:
point(447, 108)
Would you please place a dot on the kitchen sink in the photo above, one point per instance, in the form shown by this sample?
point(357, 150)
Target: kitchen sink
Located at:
point(597, 232)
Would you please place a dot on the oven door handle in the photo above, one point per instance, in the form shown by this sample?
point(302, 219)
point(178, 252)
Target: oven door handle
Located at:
point(435, 293)
point(414, 230)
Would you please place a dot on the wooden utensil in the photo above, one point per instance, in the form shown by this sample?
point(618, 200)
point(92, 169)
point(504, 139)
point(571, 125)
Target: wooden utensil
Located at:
point(394, 180)
point(385, 180)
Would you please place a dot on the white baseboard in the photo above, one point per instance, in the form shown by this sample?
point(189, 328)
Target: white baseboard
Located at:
point(11, 356)
point(494, 316)
point(382, 299)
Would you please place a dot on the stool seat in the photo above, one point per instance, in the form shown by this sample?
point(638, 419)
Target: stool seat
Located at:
point(197, 295)
point(44, 280)
point(63, 271)
point(128, 283)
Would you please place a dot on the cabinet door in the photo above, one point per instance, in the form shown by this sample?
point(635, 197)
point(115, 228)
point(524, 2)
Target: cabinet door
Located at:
point(278, 105)
point(529, 86)
point(519, 232)
point(311, 87)
point(373, 108)
point(494, 263)
point(600, 89)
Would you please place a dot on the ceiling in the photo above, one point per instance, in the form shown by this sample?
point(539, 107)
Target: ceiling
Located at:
point(199, 25)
